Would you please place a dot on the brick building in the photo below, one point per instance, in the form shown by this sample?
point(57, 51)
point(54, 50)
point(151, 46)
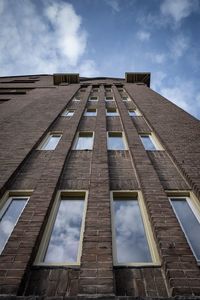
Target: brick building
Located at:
point(99, 188)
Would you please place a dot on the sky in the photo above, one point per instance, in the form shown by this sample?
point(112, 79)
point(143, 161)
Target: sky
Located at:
point(106, 38)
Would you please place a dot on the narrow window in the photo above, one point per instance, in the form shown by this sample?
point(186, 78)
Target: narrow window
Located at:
point(62, 240)
point(107, 99)
point(76, 99)
point(189, 219)
point(131, 234)
point(132, 113)
point(90, 112)
point(112, 112)
point(148, 142)
point(93, 98)
point(68, 113)
point(51, 141)
point(9, 215)
point(116, 141)
point(84, 141)
point(125, 98)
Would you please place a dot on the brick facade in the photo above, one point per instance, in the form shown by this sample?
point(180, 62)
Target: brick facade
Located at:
point(35, 108)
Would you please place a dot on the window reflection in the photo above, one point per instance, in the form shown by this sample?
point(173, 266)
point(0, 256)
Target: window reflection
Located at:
point(65, 237)
point(115, 141)
point(9, 218)
point(85, 141)
point(189, 223)
point(131, 241)
point(51, 142)
point(147, 142)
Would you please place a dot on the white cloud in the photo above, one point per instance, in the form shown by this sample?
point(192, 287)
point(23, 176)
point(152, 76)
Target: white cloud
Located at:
point(52, 40)
point(184, 94)
point(179, 46)
point(178, 9)
point(114, 4)
point(157, 79)
point(158, 58)
point(143, 35)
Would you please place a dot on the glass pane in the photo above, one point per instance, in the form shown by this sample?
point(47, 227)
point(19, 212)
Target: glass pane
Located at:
point(9, 219)
point(64, 242)
point(115, 143)
point(52, 142)
point(131, 241)
point(189, 222)
point(69, 113)
point(112, 113)
point(84, 142)
point(132, 113)
point(147, 143)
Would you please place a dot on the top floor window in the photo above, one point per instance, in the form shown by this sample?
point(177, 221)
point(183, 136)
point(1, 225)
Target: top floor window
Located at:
point(68, 113)
point(93, 98)
point(110, 98)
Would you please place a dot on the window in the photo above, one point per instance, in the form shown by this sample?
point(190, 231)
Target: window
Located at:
point(95, 90)
point(84, 141)
point(125, 98)
point(133, 242)
point(120, 90)
point(68, 113)
point(76, 99)
point(112, 112)
point(188, 216)
point(51, 141)
point(93, 98)
point(108, 90)
point(83, 90)
point(107, 99)
point(116, 141)
point(132, 113)
point(62, 240)
point(9, 216)
point(90, 112)
point(148, 142)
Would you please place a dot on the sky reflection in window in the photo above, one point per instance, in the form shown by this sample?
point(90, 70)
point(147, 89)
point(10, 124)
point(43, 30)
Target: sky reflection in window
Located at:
point(131, 241)
point(85, 141)
point(189, 223)
point(115, 141)
point(64, 242)
point(9, 219)
point(147, 143)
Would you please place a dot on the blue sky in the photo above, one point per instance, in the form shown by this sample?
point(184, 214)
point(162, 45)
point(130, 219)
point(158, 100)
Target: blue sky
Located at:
point(106, 38)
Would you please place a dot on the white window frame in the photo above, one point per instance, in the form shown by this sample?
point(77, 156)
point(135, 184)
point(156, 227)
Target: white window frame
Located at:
point(76, 99)
point(147, 228)
point(194, 206)
point(46, 139)
point(92, 110)
point(124, 140)
point(154, 140)
point(5, 202)
point(112, 109)
point(66, 112)
point(49, 227)
point(109, 100)
point(76, 140)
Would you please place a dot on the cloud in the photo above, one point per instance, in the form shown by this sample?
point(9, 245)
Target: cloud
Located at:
point(46, 41)
point(158, 58)
point(178, 9)
point(114, 4)
point(157, 80)
point(179, 46)
point(143, 35)
point(184, 94)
